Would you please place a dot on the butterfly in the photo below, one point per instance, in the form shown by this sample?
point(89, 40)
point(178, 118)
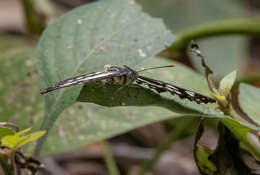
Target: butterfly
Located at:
point(125, 76)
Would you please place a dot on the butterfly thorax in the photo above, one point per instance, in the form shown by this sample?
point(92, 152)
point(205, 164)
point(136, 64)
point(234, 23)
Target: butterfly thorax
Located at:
point(125, 77)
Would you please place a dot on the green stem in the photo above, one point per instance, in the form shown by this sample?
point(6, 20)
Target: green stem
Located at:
point(110, 162)
point(232, 112)
point(248, 79)
point(173, 135)
point(249, 27)
point(34, 24)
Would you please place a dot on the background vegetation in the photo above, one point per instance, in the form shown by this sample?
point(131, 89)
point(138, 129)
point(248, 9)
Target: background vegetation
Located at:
point(145, 132)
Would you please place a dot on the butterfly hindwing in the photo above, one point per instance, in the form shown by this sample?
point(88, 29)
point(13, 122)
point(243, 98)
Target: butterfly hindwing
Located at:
point(161, 86)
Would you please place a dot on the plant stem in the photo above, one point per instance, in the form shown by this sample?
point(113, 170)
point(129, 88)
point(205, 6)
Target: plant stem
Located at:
point(110, 162)
point(173, 135)
point(248, 26)
point(34, 24)
point(248, 80)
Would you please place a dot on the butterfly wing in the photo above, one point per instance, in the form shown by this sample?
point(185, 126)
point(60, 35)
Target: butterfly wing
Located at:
point(161, 86)
point(91, 77)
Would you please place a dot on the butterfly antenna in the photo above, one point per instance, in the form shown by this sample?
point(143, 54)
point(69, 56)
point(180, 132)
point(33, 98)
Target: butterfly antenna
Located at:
point(156, 68)
point(49, 89)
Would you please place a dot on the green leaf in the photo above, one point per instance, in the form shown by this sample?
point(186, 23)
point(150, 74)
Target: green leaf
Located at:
point(225, 159)
point(241, 131)
point(202, 154)
point(107, 32)
point(84, 40)
point(5, 131)
point(16, 140)
point(136, 95)
point(227, 83)
point(249, 98)
point(86, 123)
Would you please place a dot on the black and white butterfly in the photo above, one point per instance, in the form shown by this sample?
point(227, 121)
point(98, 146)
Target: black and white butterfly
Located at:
point(125, 76)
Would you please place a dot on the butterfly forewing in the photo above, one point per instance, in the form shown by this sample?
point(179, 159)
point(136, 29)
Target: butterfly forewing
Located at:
point(95, 76)
point(161, 86)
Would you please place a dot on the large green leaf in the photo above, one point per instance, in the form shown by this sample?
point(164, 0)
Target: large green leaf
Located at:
point(249, 100)
point(133, 95)
point(108, 32)
point(84, 123)
point(223, 54)
point(85, 39)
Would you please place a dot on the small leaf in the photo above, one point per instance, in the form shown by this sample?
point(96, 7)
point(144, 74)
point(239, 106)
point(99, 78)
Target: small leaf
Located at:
point(5, 131)
point(227, 83)
point(225, 158)
point(17, 140)
point(23, 132)
point(249, 98)
point(205, 165)
point(201, 153)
